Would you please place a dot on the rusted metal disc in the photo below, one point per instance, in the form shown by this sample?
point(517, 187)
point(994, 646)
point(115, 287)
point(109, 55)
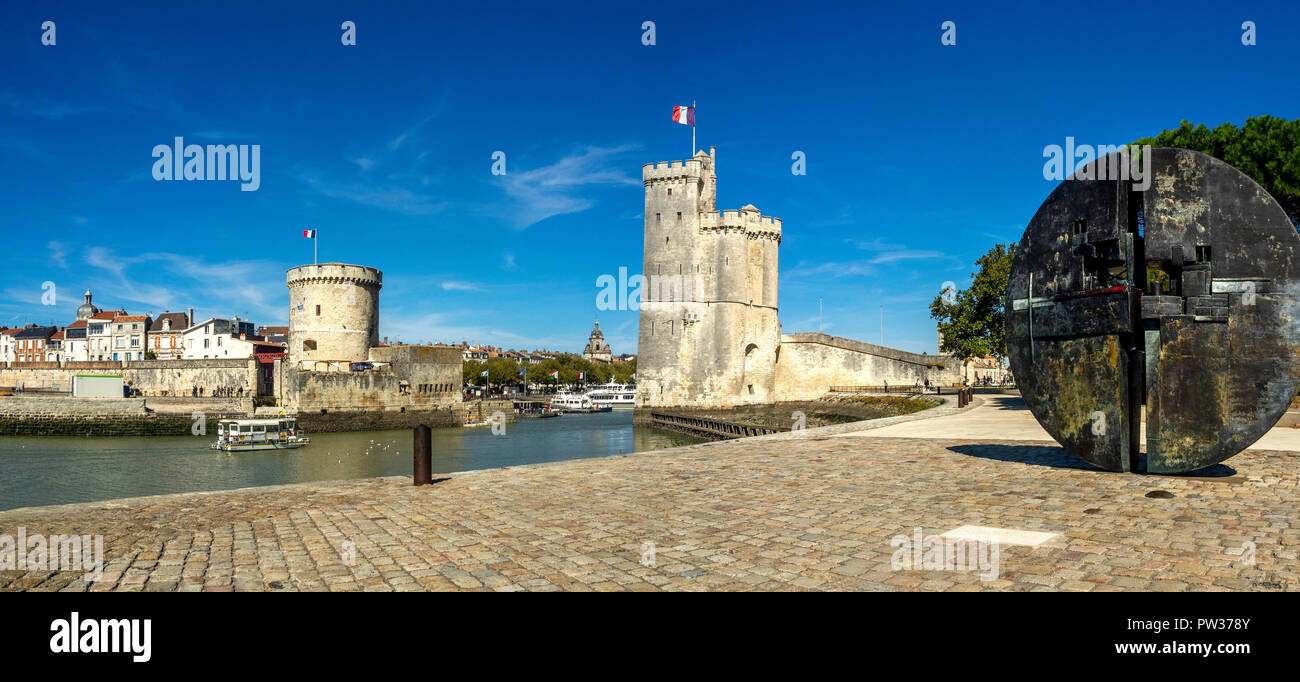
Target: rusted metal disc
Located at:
point(1176, 296)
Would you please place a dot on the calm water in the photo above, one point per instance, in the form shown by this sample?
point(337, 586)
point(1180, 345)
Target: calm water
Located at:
point(41, 471)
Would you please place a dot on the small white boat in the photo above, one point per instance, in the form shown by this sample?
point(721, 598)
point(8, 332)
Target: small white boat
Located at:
point(238, 435)
point(613, 395)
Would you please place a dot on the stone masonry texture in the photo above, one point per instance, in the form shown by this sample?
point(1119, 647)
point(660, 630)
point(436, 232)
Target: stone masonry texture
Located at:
point(812, 510)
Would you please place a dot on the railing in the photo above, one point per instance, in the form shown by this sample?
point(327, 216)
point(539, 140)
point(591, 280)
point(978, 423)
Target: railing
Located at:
point(899, 388)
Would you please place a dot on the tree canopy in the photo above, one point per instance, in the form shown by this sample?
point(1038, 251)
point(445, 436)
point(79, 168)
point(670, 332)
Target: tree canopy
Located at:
point(503, 371)
point(973, 321)
point(1266, 148)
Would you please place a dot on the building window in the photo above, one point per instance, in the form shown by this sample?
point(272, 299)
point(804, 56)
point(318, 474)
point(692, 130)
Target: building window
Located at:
point(656, 217)
point(679, 216)
point(309, 344)
point(670, 191)
point(317, 311)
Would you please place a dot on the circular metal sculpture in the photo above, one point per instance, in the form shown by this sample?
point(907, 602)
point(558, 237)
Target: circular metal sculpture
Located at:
point(1177, 294)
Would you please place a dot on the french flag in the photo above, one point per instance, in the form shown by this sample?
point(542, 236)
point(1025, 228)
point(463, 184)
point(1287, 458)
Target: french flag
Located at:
point(684, 115)
point(310, 234)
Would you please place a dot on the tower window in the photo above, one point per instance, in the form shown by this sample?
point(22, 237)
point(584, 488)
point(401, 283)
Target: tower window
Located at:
point(656, 217)
point(309, 344)
point(1202, 253)
point(679, 216)
point(670, 191)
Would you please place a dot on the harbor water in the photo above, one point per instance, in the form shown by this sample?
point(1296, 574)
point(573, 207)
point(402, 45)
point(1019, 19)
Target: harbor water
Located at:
point(61, 470)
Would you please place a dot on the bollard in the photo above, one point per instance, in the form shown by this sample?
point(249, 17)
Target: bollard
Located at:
point(423, 456)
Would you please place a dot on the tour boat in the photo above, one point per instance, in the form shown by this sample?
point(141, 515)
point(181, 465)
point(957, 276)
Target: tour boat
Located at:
point(613, 395)
point(238, 435)
point(565, 401)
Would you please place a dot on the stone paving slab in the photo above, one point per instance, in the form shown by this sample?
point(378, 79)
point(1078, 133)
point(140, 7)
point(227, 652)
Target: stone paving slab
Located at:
point(795, 511)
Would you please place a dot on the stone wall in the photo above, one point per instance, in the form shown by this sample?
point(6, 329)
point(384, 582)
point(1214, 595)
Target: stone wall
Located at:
point(180, 377)
point(810, 363)
point(63, 416)
point(151, 377)
point(376, 419)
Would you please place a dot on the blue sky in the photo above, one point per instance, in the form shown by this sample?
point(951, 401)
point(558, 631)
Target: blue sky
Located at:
point(919, 156)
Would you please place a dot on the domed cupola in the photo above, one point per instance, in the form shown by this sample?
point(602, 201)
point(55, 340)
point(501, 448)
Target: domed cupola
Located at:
point(85, 310)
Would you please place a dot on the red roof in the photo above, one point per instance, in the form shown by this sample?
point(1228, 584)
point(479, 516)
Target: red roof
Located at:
point(56, 335)
point(76, 325)
point(107, 314)
point(130, 318)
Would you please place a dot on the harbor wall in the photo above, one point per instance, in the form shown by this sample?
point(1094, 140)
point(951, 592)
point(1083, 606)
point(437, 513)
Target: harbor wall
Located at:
point(413, 378)
point(62, 416)
point(151, 377)
point(812, 362)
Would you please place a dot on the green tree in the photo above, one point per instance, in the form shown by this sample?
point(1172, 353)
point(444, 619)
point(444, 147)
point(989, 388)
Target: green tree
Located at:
point(973, 320)
point(1266, 148)
point(501, 371)
point(472, 371)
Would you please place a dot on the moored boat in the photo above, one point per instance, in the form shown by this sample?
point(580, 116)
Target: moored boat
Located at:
point(613, 395)
point(238, 435)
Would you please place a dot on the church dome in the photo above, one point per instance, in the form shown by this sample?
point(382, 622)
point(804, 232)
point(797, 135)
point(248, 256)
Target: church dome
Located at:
point(85, 310)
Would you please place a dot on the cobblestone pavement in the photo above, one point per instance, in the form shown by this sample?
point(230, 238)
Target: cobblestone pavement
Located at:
point(787, 512)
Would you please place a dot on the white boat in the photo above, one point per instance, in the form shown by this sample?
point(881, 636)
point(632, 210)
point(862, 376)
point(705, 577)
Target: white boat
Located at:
point(613, 395)
point(565, 401)
point(238, 435)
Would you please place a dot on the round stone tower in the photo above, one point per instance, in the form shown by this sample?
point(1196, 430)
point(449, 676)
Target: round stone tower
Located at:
point(333, 312)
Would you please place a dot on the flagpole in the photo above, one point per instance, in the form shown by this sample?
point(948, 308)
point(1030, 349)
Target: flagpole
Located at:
point(692, 132)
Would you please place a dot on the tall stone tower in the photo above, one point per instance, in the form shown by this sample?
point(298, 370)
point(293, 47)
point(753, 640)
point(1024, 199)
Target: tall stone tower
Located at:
point(333, 312)
point(709, 334)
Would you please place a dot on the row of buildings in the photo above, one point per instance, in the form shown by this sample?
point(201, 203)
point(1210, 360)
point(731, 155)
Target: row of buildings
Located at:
point(596, 350)
point(118, 335)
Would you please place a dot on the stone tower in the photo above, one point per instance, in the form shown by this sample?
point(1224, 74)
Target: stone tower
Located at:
point(709, 333)
point(333, 312)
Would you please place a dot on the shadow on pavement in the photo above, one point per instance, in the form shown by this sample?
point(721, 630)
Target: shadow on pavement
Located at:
point(1058, 457)
point(1039, 455)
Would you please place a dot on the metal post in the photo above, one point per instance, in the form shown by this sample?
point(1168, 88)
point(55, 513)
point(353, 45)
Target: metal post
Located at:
point(423, 456)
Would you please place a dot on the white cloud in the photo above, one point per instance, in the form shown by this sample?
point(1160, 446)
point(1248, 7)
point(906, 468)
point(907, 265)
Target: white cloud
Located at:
point(549, 191)
point(214, 288)
point(397, 199)
point(460, 286)
point(58, 254)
